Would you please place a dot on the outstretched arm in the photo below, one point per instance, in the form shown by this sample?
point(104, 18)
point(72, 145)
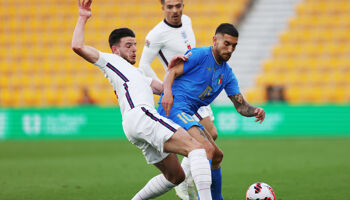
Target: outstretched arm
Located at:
point(167, 100)
point(88, 53)
point(245, 109)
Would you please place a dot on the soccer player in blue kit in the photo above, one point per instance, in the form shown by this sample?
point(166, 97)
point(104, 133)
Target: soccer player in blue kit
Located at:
point(197, 82)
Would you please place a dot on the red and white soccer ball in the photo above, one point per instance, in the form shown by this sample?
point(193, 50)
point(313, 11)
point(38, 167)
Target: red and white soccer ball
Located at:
point(260, 191)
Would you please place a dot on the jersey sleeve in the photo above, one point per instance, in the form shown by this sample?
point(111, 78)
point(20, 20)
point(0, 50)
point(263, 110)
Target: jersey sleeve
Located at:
point(101, 62)
point(231, 86)
point(193, 60)
point(151, 49)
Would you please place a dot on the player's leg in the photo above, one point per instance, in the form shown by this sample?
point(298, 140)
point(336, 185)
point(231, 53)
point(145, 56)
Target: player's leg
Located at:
point(216, 186)
point(156, 135)
point(205, 138)
point(182, 143)
point(206, 117)
point(209, 126)
point(142, 127)
point(172, 175)
point(187, 121)
point(187, 188)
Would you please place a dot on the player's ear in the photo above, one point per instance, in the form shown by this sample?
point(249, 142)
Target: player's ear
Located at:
point(214, 39)
point(115, 50)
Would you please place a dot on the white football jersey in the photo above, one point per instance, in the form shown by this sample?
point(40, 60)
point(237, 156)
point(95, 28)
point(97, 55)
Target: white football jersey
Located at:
point(131, 86)
point(166, 41)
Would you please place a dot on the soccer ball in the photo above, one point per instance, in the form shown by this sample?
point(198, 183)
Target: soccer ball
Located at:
point(260, 191)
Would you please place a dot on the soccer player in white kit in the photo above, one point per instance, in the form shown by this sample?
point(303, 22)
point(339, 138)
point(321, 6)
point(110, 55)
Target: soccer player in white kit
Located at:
point(174, 36)
point(159, 138)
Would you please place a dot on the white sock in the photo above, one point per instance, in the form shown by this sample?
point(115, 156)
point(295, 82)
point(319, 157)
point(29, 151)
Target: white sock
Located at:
point(201, 173)
point(185, 164)
point(155, 187)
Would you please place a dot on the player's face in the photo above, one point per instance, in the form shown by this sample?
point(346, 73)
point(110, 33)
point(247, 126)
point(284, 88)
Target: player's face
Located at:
point(127, 49)
point(224, 46)
point(173, 11)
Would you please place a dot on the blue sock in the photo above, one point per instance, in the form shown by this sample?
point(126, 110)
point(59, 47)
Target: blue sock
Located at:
point(216, 185)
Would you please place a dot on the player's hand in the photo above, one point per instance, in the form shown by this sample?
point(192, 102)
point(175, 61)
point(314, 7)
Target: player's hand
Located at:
point(84, 8)
point(167, 103)
point(259, 115)
point(178, 59)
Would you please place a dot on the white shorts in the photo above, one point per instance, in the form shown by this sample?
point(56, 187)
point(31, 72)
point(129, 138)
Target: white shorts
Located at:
point(203, 112)
point(146, 129)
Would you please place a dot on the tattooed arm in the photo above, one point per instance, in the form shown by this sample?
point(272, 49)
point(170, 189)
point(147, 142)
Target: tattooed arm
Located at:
point(245, 109)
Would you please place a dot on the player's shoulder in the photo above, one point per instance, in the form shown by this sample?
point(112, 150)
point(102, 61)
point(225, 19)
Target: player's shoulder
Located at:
point(114, 59)
point(186, 19)
point(200, 51)
point(109, 56)
point(157, 30)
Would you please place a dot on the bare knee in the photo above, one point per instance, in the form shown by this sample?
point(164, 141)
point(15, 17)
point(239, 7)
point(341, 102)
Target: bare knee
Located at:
point(210, 150)
point(176, 177)
point(217, 158)
point(195, 144)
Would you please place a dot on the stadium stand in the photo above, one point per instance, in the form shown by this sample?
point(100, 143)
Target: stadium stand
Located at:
point(38, 67)
point(311, 61)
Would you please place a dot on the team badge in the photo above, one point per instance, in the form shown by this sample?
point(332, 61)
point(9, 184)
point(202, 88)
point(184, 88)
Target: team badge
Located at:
point(184, 35)
point(221, 76)
point(147, 43)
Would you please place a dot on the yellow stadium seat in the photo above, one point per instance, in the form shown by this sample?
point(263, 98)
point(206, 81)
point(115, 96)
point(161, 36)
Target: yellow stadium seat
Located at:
point(256, 95)
point(313, 53)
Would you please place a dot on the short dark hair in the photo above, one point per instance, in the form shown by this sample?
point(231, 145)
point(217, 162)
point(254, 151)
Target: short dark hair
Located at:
point(117, 34)
point(163, 1)
point(226, 28)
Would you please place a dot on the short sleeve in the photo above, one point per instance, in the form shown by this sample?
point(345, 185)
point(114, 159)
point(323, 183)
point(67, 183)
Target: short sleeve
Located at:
point(231, 86)
point(101, 62)
point(193, 60)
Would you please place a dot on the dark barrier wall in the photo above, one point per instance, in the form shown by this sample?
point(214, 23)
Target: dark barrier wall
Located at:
point(98, 122)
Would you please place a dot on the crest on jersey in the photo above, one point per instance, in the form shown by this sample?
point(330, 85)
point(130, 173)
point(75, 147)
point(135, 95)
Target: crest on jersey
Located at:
point(147, 43)
point(184, 35)
point(221, 76)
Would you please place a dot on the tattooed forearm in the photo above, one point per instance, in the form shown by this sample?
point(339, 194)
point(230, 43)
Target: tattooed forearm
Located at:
point(202, 133)
point(242, 106)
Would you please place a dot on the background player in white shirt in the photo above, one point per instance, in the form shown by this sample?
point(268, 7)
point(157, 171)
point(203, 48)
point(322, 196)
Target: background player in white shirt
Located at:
point(174, 36)
point(157, 137)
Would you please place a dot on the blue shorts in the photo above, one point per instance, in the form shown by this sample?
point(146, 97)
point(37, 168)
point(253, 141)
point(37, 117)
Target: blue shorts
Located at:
point(180, 117)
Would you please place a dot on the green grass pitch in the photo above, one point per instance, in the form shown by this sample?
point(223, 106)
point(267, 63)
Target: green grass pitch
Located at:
point(297, 169)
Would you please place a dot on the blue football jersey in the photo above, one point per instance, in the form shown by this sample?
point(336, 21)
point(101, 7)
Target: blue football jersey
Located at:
point(201, 82)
